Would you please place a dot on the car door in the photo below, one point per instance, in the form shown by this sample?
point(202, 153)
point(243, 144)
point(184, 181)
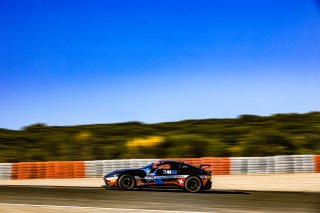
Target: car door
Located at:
point(150, 173)
point(166, 173)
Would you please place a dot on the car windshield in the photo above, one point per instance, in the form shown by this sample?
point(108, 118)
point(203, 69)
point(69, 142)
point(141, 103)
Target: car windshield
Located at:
point(154, 165)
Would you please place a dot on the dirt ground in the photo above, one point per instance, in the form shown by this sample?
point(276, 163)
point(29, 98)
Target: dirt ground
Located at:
point(304, 182)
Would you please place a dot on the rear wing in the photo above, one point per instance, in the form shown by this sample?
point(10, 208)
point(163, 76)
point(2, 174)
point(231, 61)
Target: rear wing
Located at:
point(204, 166)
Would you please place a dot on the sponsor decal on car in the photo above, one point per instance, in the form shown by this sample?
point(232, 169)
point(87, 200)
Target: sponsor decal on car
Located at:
point(170, 172)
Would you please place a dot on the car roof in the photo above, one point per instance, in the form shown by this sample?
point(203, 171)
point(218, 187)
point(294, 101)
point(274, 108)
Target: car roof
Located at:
point(176, 162)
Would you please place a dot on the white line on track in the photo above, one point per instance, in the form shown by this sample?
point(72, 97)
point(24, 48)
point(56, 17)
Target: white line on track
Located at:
point(92, 208)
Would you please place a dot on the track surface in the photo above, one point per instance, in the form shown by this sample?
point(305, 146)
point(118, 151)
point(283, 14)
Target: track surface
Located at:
point(165, 199)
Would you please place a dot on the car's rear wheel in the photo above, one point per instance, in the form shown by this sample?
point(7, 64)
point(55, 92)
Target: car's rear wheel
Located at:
point(192, 184)
point(126, 182)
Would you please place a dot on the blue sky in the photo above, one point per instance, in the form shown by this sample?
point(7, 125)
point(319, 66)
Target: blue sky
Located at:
point(86, 62)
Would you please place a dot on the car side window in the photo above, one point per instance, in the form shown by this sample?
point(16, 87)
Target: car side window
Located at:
point(165, 166)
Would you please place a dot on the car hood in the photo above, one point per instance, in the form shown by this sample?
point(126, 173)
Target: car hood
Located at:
point(120, 171)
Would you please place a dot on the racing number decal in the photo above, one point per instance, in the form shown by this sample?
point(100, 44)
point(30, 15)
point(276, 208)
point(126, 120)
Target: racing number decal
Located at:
point(150, 176)
point(153, 177)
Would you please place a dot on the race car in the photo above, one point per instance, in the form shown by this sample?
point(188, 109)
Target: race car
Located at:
point(161, 173)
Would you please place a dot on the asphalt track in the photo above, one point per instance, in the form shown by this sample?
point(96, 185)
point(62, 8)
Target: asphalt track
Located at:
point(164, 199)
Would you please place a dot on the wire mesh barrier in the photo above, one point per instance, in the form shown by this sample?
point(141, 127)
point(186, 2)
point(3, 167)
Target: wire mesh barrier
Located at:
point(317, 163)
point(32, 170)
point(219, 166)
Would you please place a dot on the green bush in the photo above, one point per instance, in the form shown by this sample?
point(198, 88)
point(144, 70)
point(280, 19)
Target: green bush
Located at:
point(248, 135)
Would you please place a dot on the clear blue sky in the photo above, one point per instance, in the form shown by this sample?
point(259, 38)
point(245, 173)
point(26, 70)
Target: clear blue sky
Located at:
point(86, 62)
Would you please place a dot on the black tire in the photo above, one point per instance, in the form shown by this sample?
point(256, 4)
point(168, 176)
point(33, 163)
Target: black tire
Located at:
point(126, 182)
point(192, 184)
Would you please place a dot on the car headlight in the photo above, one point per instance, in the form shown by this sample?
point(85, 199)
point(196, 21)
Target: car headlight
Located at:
point(111, 175)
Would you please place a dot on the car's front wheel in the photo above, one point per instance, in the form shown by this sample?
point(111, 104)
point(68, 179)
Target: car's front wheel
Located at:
point(192, 184)
point(126, 182)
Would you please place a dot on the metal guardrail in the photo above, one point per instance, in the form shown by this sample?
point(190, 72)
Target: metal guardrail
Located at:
point(273, 165)
point(5, 170)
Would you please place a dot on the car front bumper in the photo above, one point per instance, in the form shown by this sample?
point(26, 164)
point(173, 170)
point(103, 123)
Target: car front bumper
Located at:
point(109, 183)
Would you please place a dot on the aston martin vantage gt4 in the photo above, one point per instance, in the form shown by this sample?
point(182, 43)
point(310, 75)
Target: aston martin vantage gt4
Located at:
point(161, 173)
